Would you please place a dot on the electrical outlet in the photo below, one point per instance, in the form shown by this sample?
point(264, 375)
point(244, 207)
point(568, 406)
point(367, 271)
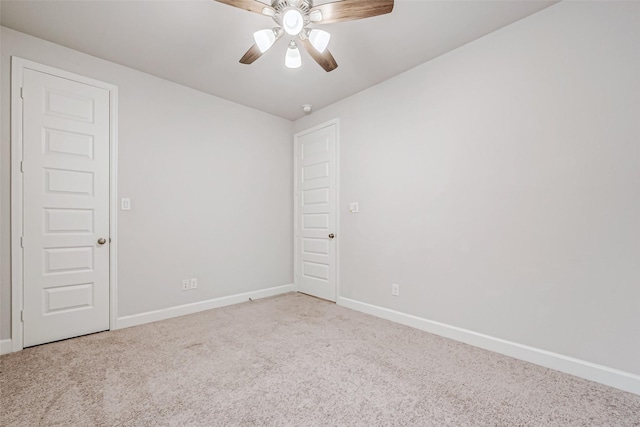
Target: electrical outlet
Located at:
point(395, 290)
point(185, 284)
point(194, 283)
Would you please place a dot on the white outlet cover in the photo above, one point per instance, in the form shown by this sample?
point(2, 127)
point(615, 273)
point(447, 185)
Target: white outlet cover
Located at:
point(194, 283)
point(185, 284)
point(395, 290)
point(353, 207)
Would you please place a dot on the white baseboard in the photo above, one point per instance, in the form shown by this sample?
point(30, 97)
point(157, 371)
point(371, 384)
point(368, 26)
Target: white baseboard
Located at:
point(181, 310)
point(5, 346)
point(612, 377)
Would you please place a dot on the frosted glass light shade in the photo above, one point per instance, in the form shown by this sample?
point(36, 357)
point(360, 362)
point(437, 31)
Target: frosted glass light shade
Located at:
point(264, 39)
point(292, 22)
point(319, 39)
point(315, 16)
point(293, 58)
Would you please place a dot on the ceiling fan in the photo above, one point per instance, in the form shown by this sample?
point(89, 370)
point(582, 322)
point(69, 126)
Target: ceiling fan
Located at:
point(293, 18)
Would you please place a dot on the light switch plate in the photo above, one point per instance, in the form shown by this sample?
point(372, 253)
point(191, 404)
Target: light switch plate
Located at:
point(353, 207)
point(126, 204)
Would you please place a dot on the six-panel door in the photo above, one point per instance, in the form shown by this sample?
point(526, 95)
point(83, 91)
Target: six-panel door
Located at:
point(316, 218)
point(66, 208)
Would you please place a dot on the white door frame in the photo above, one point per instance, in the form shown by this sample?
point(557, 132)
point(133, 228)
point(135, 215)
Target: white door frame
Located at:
point(18, 65)
point(335, 122)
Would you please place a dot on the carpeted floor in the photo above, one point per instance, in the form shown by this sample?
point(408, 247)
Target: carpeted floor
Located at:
point(291, 360)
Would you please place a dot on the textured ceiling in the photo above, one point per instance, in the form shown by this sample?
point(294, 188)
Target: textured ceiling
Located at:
point(198, 43)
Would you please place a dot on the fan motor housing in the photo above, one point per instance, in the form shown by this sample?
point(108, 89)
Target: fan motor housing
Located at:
point(282, 6)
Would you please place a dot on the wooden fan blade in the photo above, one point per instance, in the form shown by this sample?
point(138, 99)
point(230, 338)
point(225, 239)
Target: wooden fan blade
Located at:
point(349, 10)
point(252, 54)
point(324, 59)
point(250, 5)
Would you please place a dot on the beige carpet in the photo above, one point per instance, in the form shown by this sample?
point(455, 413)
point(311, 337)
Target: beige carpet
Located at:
point(291, 360)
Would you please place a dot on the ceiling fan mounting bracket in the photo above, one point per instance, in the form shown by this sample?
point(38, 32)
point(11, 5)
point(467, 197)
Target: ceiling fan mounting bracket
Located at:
point(280, 5)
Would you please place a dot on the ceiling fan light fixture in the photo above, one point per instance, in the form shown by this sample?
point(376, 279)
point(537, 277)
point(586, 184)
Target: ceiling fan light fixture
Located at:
point(264, 39)
point(267, 11)
point(319, 39)
point(294, 16)
point(315, 15)
point(293, 21)
point(293, 58)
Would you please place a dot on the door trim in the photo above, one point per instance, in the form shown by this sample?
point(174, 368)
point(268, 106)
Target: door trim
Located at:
point(335, 122)
point(18, 65)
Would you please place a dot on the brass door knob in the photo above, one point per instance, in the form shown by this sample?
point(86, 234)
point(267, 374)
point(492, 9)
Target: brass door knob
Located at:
point(102, 241)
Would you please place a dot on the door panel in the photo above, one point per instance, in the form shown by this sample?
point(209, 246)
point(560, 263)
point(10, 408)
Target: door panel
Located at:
point(66, 208)
point(316, 212)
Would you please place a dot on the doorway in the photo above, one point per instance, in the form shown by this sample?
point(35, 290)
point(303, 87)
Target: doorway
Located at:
point(63, 204)
point(316, 208)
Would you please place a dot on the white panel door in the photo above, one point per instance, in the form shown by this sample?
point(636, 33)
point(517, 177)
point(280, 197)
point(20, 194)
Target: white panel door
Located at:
point(66, 208)
point(316, 212)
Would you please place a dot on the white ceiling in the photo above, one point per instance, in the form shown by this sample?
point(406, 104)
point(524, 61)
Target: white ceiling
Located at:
point(198, 43)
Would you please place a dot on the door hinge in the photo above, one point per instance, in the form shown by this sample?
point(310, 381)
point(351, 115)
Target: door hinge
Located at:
point(22, 166)
point(22, 241)
point(22, 92)
point(22, 315)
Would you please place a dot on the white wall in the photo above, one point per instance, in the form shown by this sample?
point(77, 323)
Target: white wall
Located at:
point(499, 185)
point(210, 183)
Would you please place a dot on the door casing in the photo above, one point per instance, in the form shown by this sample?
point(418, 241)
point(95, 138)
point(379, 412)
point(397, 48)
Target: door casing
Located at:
point(18, 65)
point(335, 122)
